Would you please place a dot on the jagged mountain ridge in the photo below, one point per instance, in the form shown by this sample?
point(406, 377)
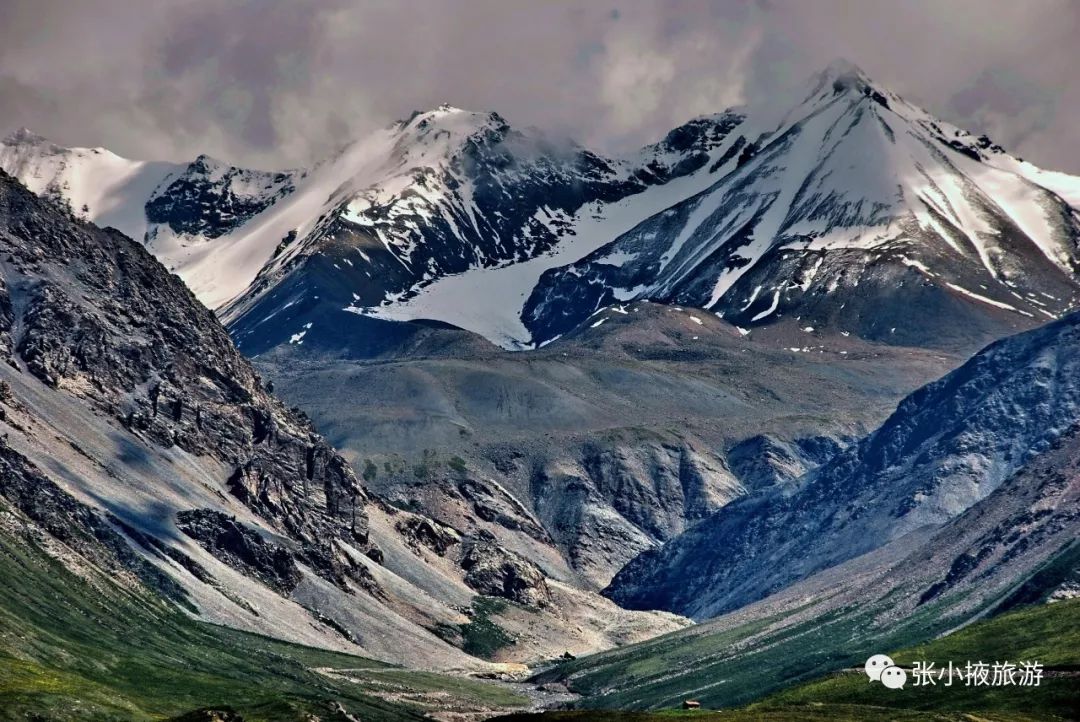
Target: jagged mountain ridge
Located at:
point(854, 201)
point(439, 193)
point(856, 209)
point(947, 447)
point(130, 418)
point(459, 191)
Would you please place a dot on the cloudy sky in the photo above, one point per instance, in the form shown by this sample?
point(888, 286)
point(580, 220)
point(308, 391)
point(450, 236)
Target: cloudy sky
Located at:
point(277, 83)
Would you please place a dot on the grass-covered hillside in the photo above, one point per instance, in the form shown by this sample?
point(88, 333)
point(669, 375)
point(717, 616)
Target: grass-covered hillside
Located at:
point(89, 648)
point(1047, 633)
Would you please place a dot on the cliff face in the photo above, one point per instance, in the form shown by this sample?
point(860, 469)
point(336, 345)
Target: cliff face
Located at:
point(947, 447)
point(138, 440)
point(92, 314)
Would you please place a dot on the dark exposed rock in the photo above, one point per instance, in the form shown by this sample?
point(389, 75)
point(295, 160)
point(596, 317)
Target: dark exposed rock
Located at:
point(99, 318)
point(247, 550)
point(91, 314)
point(333, 624)
point(7, 317)
point(700, 134)
point(242, 548)
point(964, 148)
point(494, 505)
point(735, 148)
point(420, 531)
point(497, 572)
point(210, 198)
point(162, 550)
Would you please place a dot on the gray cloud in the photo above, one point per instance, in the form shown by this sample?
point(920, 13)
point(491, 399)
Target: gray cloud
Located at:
point(272, 82)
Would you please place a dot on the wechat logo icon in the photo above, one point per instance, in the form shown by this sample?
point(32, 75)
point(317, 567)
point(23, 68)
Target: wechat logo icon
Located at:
point(876, 665)
point(881, 668)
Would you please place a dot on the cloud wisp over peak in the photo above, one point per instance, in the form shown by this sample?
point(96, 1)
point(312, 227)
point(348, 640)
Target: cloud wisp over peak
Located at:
point(277, 84)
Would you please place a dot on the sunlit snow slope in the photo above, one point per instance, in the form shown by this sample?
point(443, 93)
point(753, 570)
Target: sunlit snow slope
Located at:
point(860, 212)
point(444, 194)
point(855, 211)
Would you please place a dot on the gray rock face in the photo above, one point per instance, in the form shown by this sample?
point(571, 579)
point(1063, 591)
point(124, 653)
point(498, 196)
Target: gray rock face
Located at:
point(947, 447)
point(858, 208)
point(419, 531)
point(242, 547)
point(497, 572)
point(92, 314)
point(763, 460)
point(275, 565)
point(623, 496)
point(493, 504)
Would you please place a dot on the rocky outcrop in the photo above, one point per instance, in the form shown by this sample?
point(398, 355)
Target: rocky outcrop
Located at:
point(622, 496)
point(497, 572)
point(420, 531)
point(491, 503)
point(947, 447)
point(241, 548)
point(276, 566)
point(94, 315)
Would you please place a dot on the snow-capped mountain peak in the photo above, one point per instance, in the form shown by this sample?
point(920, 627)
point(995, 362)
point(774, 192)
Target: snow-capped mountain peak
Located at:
point(452, 192)
point(445, 129)
point(842, 75)
point(25, 136)
point(95, 183)
point(851, 207)
point(855, 194)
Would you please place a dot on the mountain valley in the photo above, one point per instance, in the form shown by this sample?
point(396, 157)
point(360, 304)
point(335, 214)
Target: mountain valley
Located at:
point(466, 404)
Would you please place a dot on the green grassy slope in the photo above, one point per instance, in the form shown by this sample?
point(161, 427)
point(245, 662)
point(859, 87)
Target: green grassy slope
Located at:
point(1049, 634)
point(89, 648)
point(731, 667)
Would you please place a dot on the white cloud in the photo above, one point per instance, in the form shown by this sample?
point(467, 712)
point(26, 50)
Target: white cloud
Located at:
point(276, 84)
